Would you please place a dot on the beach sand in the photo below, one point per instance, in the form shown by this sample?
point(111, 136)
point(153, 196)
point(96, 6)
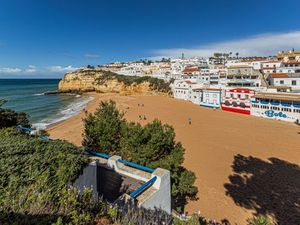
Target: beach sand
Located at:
point(212, 142)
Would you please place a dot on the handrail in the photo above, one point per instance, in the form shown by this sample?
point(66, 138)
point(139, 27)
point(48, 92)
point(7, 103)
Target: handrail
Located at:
point(134, 165)
point(24, 128)
point(102, 155)
point(142, 188)
point(125, 162)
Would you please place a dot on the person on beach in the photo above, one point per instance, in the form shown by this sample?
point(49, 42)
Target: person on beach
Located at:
point(190, 121)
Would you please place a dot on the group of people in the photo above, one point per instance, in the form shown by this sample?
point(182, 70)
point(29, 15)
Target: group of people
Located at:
point(142, 117)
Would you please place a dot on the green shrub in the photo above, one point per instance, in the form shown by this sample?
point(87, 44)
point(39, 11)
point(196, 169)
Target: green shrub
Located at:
point(260, 220)
point(10, 118)
point(34, 173)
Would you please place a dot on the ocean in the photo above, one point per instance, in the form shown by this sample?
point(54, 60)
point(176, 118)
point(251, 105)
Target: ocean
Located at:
point(28, 95)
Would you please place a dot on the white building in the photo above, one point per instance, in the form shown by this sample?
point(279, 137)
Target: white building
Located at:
point(279, 106)
point(210, 97)
point(182, 89)
point(270, 67)
point(284, 79)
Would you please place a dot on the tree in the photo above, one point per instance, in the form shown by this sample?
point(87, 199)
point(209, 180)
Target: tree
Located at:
point(11, 118)
point(153, 145)
point(103, 128)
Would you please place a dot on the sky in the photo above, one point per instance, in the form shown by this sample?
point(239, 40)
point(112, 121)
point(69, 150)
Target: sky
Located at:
point(47, 38)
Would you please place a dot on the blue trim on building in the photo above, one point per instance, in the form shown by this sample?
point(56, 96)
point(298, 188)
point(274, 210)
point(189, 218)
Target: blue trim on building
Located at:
point(143, 188)
point(275, 103)
point(210, 106)
point(265, 103)
point(296, 106)
point(286, 104)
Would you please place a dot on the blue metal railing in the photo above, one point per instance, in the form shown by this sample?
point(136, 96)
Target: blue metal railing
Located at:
point(19, 127)
point(134, 165)
point(102, 155)
point(26, 129)
point(143, 188)
point(125, 162)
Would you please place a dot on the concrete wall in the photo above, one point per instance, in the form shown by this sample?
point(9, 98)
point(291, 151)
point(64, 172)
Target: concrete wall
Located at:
point(161, 198)
point(95, 176)
point(88, 179)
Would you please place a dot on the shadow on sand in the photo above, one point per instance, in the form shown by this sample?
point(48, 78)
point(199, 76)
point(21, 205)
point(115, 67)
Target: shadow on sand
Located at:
point(268, 187)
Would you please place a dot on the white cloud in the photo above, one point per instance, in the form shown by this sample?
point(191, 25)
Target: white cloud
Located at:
point(61, 69)
point(10, 70)
point(258, 45)
point(31, 69)
point(91, 56)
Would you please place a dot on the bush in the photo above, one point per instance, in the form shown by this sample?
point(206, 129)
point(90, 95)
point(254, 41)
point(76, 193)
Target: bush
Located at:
point(103, 129)
point(152, 145)
point(10, 118)
point(260, 220)
point(34, 174)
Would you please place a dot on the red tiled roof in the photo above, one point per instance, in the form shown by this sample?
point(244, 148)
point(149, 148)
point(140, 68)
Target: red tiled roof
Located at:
point(279, 75)
point(290, 63)
point(190, 82)
point(190, 69)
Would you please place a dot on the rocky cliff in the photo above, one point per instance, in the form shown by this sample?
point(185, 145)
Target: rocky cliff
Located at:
point(84, 80)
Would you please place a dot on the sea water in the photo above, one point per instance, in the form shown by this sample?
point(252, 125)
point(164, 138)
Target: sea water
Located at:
point(28, 95)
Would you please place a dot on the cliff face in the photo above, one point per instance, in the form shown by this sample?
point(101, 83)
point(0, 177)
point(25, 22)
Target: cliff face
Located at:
point(85, 80)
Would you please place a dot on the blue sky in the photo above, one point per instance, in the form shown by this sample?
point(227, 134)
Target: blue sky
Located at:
point(45, 38)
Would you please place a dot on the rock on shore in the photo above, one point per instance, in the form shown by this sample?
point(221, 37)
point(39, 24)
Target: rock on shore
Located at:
point(85, 80)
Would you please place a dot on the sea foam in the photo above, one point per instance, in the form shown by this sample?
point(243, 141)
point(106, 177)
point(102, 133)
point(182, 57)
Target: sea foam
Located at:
point(71, 110)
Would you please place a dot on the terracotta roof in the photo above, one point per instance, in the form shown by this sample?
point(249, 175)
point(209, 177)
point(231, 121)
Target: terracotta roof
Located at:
point(290, 63)
point(190, 69)
point(268, 68)
point(190, 82)
point(279, 75)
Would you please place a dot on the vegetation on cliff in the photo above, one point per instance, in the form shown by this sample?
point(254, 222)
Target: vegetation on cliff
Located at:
point(153, 145)
point(155, 84)
point(10, 118)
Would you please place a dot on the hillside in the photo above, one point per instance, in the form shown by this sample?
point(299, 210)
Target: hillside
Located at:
point(90, 79)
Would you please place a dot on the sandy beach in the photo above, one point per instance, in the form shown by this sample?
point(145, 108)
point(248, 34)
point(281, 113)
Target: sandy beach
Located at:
point(268, 181)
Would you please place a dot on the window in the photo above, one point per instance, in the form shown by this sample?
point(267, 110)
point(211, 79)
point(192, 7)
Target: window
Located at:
point(294, 82)
point(282, 82)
